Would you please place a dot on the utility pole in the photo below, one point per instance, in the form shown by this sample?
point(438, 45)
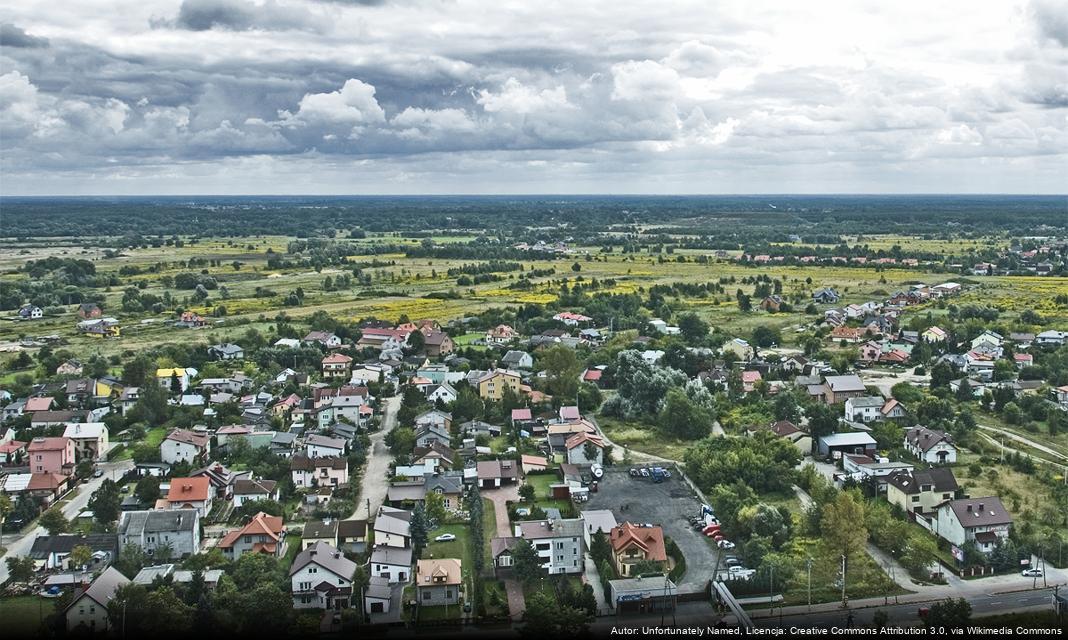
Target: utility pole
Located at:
point(845, 602)
point(808, 565)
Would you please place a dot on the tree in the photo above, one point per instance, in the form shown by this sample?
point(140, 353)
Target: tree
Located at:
point(693, 328)
point(416, 342)
point(147, 490)
point(842, 525)
point(419, 528)
point(682, 418)
point(921, 552)
point(434, 506)
point(105, 502)
point(6, 507)
point(20, 568)
point(527, 493)
point(949, 613)
point(526, 565)
point(765, 336)
point(822, 421)
point(54, 521)
point(176, 384)
point(80, 556)
point(942, 374)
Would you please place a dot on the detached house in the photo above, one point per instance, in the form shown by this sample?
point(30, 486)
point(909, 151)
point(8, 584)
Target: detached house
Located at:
point(190, 493)
point(90, 440)
point(984, 521)
point(635, 543)
point(248, 490)
point(88, 611)
point(318, 446)
point(226, 351)
point(179, 530)
point(920, 492)
point(840, 388)
point(392, 528)
point(934, 447)
point(438, 581)
point(501, 334)
point(559, 543)
point(492, 385)
point(51, 455)
point(262, 534)
point(319, 472)
point(182, 445)
point(323, 338)
point(392, 563)
point(321, 578)
point(336, 365)
point(437, 343)
point(864, 409)
point(584, 448)
point(495, 473)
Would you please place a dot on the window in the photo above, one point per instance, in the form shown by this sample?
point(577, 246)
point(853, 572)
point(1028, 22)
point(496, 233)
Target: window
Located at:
point(427, 595)
point(448, 593)
point(915, 498)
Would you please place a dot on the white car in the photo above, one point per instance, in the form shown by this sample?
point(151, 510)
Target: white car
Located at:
point(725, 544)
point(445, 537)
point(1031, 573)
point(740, 573)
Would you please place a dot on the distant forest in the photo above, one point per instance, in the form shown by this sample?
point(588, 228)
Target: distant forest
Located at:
point(513, 215)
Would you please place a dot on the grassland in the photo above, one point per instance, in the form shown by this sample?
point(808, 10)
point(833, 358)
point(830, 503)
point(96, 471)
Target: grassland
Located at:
point(23, 615)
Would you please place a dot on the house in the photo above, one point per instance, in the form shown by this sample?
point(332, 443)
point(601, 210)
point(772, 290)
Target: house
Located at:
point(1051, 338)
point(650, 594)
point(392, 528)
point(492, 385)
point(80, 391)
point(848, 334)
point(319, 531)
point(593, 376)
point(384, 340)
point(584, 448)
point(572, 319)
point(444, 392)
point(636, 543)
point(864, 409)
point(31, 312)
point(352, 535)
point(740, 349)
point(182, 445)
point(826, 295)
point(921, 491)
point(190, 493)
point(59, 418)
point(12, 451)
point(323, 338)
point(226, 351)
point(772, 303)
point(558, 434)
point(892, 410)
point(430, 433)
point(837, 444)
point(38, 403)
point(178, 530)
point(652, 356)
point(90, 440)
point(750, 380)
point(262, 534)
point(70, 368)
point(88, 611)
point(324, 471)
point(434, 418)
point(378, 596)
point(474, 428)
point(991, 338)
point(790, 431)
point(931, 446)
point(1022, 360)
point(501, 334)
point(437, 343)
point(221, 479)
point(840, 388)
point(51, 455)
point(984, 521)
point(191, 320)
point(248, 490)
point(438, 582)
point(336, 365)
point(436, 455)
point(392, 563)
point(321, 578)
point(516, 359)
point(52, 552)
point(501, 550)
point(167, 377)
point(100, 328)
point(862, 467)
point(533, 463)
point(89, 311)
point(559, 543)
point(597, 522)
point(319, 446)
point(933, 335)
point(496, 473)
point(523, 419)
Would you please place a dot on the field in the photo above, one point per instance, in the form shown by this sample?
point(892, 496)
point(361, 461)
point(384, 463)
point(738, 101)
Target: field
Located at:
point(23, 615)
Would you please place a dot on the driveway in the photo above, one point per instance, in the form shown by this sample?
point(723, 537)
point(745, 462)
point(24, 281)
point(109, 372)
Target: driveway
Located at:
point(517, 603)
point(21, 545)
point(373, 484)
point(640, 500)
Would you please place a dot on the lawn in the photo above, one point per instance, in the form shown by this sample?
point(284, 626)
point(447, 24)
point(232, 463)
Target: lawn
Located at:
point(541, 483)
point(153, 438)
point(467, 338)
point(489, 532)
point(642, 437)
point(292, 549)
point(23, 615)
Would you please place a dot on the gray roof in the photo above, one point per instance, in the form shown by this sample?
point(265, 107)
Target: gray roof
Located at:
point(391, 525)
point(924, 439)
point(148, 575)
point(65, 542)
point(378, 587)
point(104, 587)
point(866, 401)
point(647, 587)
point(940, 479)
point(135, 523)
point(847, 439)
point(326, 557)
point(323, 529)
point(980, 512)
point(841, 384)
point(539, 529)
point(393, 556)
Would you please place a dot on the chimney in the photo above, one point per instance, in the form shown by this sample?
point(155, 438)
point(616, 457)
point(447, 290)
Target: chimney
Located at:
point(969, 508)
point(980, 507)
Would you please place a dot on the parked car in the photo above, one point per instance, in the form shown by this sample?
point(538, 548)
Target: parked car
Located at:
point(634, 473)
point(1033, 572)
point(644, 472)
point(445, 537)
point(740, 573)
point(725, 544)
point(98, 473)
point(732, 561)
point(522, 511)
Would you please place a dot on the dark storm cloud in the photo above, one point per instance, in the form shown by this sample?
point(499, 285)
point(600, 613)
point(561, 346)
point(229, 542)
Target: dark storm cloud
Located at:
point(13, 36)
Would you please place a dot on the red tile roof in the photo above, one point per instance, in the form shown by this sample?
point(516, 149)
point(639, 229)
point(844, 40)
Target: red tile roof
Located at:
point(189, 490)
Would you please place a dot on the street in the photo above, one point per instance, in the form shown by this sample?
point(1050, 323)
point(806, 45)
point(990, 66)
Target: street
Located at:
point(20, 545)
point(373, 484)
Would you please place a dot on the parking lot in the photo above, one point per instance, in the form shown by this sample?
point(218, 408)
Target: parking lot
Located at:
point(640, 500)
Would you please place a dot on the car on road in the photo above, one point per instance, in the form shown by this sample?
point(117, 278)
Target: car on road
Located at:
point(445, 537)
point(125, 488)
point(732, 562)
point(725, 544)
point(1033, 572)
point(98, 473)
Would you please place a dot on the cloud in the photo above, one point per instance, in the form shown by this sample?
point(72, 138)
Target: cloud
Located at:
point(960, 134)
point(241, 15)
point(12, 36)
point(1051, 17)
point(644, 80)
point(353, 104)
point(517, 98)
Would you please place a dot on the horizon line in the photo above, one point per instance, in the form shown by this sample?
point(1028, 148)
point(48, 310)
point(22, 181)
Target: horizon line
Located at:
point(534, 195)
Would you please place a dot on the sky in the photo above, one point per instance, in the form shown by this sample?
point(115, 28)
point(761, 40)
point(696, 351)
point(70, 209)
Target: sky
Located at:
point(178, 97)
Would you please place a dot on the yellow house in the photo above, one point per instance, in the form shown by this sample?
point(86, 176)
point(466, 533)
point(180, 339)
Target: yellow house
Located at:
point(164, 376)
point(106, 387)
point(492, 385)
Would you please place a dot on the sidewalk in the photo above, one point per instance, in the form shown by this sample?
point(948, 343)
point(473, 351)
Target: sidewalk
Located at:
point(593, 578)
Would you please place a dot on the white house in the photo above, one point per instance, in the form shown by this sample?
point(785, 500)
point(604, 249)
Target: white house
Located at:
point(576, 448)
point(177, 529)
point(90, 439)
point(559, 543)
point(652, 356)
point(89, 609)
point(934, 447)
point(982, 520)
point(864, 409)
point(182, 445)
point(321, 578)
point(392, 563)
point(393, 527)
point(319, 472)
point(318, 446)
point(248, 490)
point(1051, 338)
point(443, 392)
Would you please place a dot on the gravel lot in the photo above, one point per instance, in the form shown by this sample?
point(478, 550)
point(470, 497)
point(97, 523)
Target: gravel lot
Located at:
point(667, 504)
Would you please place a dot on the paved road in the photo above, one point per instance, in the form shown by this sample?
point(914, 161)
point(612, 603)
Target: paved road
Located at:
point(373, 484)
point(517, 603)
point(21, 545)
